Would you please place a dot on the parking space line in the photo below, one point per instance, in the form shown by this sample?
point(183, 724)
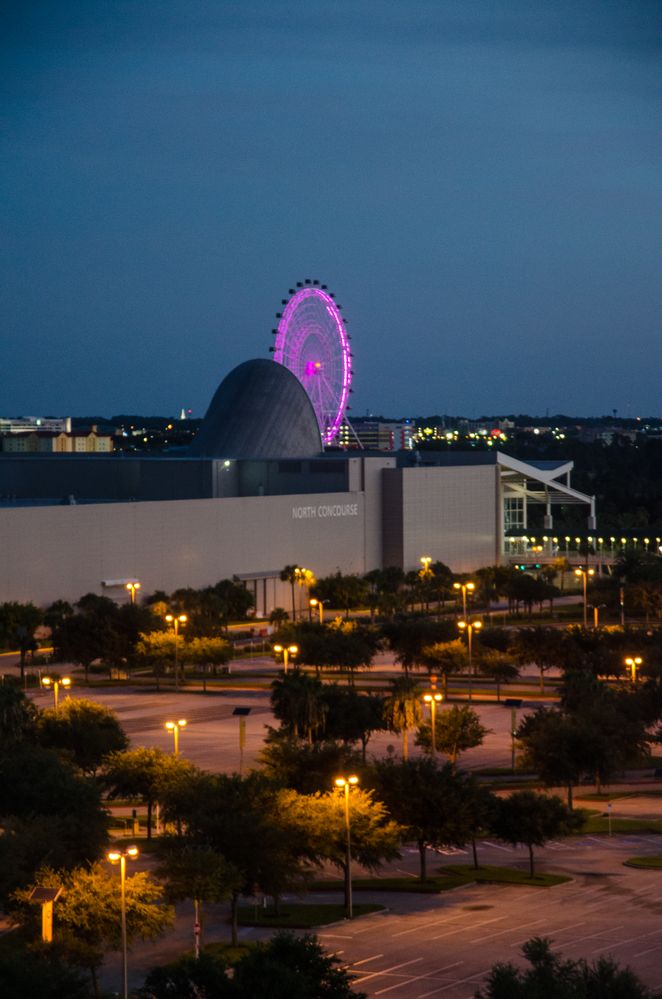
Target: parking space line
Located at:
point(497, 846)
point(460, 981)
point(365, 960)
point(591, 936)
point(649, 951)
point(619, 943)
point(561, 929)
point(410, 981)
point(461, 929)
point(386, 971)
point(424, 926)
point(501, 932)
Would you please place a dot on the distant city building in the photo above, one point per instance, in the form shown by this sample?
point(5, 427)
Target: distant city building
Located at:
point(54, 442)
point(28, 424)
point(377, 435)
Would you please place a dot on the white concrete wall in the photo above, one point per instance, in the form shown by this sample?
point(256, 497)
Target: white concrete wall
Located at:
point(62, 552)
point(452, 515)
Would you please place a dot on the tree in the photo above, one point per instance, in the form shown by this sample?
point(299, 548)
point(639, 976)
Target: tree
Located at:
point(89, 634)
point(286, 967)
point(156, 651)
point(289, 574)
point(49, 815)
point(426, 800)
point(402, 709)
point(562, 749)
point(198, 873)
point(84, 731)
point(298, 703)
point(456, 730)
point(408, 637)
point(18, 623)
point(289, 763)
point(88, 912)
point(542, 646)
point(319, 822)
point(18, 716)
point(343, 592)
point(40, 971)
point(530, 818)
point(241, 819)
point(146, 774)
point(497, 665)
point(550, 977)
point(292, 967)
point(352, 716)
point(202, 977)
point(445, 658)
point(205, 652)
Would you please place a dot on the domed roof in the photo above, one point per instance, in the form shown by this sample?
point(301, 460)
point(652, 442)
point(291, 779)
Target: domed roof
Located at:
point(260, 410)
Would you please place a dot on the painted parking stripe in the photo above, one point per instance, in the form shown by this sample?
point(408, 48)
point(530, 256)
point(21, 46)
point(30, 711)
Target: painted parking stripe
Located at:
point(410, 981)
point(386, 971)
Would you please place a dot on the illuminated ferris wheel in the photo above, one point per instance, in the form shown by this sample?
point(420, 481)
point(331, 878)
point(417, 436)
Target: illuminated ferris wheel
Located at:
point(311, 340)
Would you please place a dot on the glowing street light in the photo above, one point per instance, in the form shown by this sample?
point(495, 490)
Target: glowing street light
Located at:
point(49, 681)
point(633, 663)
point(114, 857)
point(313, 602)
point(465, 588)
point(469, 627)
point(132, 586)
point(176, 622)
point(174, 727)
point(288, 652)
point(585, 575)
point(346, 783)
point(433, 699)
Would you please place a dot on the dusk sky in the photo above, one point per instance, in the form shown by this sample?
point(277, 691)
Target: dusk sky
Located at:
point(478, 181)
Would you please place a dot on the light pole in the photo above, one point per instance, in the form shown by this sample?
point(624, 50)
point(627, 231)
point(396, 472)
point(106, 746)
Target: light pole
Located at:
point(176, 622)
point(433, 699)
point(320, 607)
point(48, 681)
point(288, 651)
point(346, 783)
point(469, 627)
point(132, 586)
point(174, 727)
point(131, 852)
point(465, 588)
point(633, 663)
point(585, 574)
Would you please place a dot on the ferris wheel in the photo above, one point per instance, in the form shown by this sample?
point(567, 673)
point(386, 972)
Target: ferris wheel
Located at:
point(311, 340)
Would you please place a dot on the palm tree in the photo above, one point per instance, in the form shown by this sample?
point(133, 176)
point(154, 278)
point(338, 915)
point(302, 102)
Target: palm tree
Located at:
point(290, 574)
point(403, 710)
point(298, 703)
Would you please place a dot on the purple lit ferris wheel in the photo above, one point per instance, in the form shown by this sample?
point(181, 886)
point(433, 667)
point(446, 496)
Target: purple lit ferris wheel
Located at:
point(312, 342)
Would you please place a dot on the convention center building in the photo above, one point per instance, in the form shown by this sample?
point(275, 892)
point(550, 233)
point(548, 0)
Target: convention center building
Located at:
point(254, 493)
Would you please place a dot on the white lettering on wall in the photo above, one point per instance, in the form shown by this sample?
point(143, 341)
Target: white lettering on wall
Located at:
point(325, 510)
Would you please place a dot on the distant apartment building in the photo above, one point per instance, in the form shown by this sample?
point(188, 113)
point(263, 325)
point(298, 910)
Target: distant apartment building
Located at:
point(54, 442)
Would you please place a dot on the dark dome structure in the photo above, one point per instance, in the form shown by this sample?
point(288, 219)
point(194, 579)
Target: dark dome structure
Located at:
point(260, 410)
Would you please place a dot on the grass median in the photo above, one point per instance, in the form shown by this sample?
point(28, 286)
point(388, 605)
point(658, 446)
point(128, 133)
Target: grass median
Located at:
point(300, 915)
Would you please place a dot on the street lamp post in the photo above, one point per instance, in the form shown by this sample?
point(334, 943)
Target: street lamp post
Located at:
point(174, 727)
point(176, 622)
point(346, 783)
point(433, 699)
point(288, 652)
point(585, 574)
point(48, 681)
point(469, 627)
point(132, 586)
point(313, 602)
point(465, 588)
point(633, 663)
point(131, 852)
